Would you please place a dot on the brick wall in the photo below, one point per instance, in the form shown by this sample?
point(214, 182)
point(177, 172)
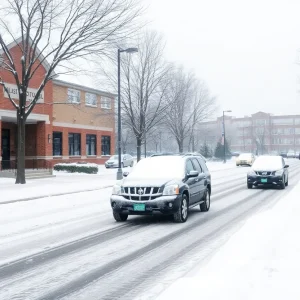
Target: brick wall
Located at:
point(80, 113)
point(43, 108)
point(83, 132)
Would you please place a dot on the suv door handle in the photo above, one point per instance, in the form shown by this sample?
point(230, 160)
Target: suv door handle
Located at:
point(197, 179)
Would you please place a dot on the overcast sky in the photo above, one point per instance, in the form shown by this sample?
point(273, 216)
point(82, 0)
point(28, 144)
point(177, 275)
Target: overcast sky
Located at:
point(246, 51)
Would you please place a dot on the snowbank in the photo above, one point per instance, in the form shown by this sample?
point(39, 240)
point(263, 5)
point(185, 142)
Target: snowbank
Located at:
point(261, 261)
point(48, 187)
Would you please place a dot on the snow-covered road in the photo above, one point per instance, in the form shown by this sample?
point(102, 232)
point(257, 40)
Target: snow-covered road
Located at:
point(70, 247)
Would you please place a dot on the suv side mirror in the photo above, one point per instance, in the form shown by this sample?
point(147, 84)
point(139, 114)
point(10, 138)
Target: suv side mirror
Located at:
point(125, 174)
point(193, 174)
point(286, 166)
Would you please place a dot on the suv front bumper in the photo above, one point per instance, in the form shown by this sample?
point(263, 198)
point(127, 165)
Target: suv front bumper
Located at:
point(164, 204)
point(267, 181)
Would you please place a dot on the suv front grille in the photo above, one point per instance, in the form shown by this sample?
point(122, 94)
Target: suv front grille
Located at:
point(264, 173)
point(141, 193)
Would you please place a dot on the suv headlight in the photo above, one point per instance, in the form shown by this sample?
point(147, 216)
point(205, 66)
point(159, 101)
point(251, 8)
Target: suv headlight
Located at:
point(116, 190)
point(171, 190)
point(251, 173)
point(279, 173)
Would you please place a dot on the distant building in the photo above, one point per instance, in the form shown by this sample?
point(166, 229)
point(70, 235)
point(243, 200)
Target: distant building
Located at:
point(70, 122)
point(259, 133)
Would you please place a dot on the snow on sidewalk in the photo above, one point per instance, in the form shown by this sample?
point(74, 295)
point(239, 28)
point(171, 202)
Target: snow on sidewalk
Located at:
point(62, 183)
point(260, 261)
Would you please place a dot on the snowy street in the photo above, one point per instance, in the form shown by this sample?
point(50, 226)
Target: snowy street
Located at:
point(70, 247)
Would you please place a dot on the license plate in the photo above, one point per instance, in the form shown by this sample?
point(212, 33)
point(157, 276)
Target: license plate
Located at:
point(264, 180)
point(139, 207)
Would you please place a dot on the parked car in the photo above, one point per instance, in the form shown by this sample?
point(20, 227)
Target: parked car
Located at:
point(268, 171)
point(126, 161)
point(283, 154)
point(245, 159)
point(291, 154)
point(166, 184)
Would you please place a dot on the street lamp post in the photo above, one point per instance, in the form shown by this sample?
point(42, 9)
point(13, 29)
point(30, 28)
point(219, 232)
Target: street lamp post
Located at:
point(129, 50)
point(224, 111)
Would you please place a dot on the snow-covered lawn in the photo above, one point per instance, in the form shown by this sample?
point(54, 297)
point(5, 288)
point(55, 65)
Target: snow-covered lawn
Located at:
point(71, 182)
point(62, 183)
point(260, 261)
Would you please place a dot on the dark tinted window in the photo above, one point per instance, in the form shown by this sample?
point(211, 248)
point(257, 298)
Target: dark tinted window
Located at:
point(74, 144)
point(57, 143)
point(105, 145)
point(203, 165)
point(197, 165)
point(189, 166)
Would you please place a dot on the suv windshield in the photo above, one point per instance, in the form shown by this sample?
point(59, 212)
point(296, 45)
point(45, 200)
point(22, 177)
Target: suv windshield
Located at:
point(268, 163)
point(245, 156)
point(159, 167)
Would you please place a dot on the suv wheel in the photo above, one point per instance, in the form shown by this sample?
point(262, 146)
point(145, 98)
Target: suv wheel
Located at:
point(120, 217)
point(287, 182)
point(249, 185)
point(181, 214)
point(283, 183)
point(206, 204)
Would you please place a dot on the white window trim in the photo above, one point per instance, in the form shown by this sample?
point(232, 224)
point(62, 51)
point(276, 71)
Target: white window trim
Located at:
point(73, 102)
point(89, 104)
point(103, 105)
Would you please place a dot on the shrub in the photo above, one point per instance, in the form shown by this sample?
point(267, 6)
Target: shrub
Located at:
point(77, 168)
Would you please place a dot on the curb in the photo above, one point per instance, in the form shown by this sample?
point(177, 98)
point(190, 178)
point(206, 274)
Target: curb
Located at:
point(53, 195)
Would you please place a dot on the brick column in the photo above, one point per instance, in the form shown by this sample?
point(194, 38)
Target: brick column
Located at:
point(65, 143)
point(99, 149)
point(83, 143)
point(0, 144)
point(112, 143)
point(43, 143)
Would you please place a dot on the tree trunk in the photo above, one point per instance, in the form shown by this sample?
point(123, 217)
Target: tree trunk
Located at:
point(138, 148)
point(20, 178)
point(180, 145)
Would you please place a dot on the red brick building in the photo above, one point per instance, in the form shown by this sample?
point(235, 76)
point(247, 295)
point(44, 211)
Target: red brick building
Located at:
point(259, 133)
point(69, 123)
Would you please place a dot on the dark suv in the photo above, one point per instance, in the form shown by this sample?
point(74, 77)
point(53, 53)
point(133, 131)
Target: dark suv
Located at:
point(167, 184)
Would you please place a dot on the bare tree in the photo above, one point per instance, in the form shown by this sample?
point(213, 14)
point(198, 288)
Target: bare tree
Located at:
point(144, 87)
point(190, 103)
point(56, 32)
point(260, 136)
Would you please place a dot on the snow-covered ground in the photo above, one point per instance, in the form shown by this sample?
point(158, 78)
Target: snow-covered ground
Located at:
point(71, 183)
point(260, 261)
point(70, 247)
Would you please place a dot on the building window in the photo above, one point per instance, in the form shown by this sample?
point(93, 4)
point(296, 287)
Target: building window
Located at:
point(73, 96)
point(57, 143)
point(105, 103)
point(105, 145)
point(91, 144)
point(74, 144)
point(90, 99)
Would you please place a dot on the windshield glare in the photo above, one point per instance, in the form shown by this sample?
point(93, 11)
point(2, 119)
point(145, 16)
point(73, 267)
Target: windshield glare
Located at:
point(268, 162)
point(245, 156)
point(159, 167)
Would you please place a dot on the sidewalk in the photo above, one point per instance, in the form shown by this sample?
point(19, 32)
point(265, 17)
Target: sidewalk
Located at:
point(261, 261)
point(61, 184)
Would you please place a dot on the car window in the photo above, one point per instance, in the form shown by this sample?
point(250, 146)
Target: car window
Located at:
point(197, 165)
point(203, 165)
point(189, 166)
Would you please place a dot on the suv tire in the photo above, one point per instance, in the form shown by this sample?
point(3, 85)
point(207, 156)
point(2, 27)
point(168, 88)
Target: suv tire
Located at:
point(206, 204)
point(120, 217)
point(283, 183)
point(181, 214)
point(249, 185)
point(287, 182)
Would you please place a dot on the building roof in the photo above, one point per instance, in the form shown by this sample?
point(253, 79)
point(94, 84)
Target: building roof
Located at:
point(18, 41)
point(83, 88)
